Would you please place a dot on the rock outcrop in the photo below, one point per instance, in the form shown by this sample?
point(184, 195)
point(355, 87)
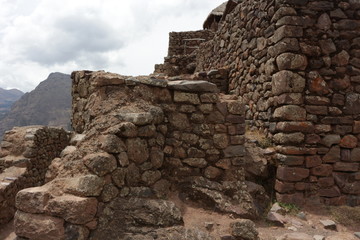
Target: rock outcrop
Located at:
point(7, 98)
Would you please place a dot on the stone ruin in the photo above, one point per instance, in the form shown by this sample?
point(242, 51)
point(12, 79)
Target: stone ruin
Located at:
point(295, 63)
point(286, 68)
point(139, 140)
point(26, 153)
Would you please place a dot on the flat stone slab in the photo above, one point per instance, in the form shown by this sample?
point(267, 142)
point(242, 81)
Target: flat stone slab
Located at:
point(328, 224)
point(12, 172)
point(193, 86)
point(276, 217)
point(100, 79)
point(148, 81)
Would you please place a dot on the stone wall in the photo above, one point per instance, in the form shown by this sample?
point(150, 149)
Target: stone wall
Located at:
point(192, 121)
point(183, 43)
point(177, 65)
point(26, 153)
point(241, 45)
point(295, 64)
point(217, 76)
point(181, 57)
point(177, 136)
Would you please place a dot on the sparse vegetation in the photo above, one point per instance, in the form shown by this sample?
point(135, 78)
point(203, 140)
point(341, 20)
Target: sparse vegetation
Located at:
point(259, 137)
point(265, 143)
point(290, 208)
point(348, 216)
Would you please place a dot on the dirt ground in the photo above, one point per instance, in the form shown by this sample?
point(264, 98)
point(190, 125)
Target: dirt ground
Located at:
point(195, 217)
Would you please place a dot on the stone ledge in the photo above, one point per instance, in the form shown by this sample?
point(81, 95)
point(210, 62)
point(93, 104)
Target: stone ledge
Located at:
point(193, 86)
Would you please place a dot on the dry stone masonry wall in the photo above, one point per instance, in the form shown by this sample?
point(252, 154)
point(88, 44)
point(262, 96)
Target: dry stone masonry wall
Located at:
point(181, 57)
point(295, 64)
point(26, 153)
point(240, 45)
point(141, 139)
point(189, 123)
point(177, 65)
point(183, 43)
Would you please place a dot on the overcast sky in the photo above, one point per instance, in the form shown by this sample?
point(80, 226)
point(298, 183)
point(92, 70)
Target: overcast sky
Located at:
point(38, 37)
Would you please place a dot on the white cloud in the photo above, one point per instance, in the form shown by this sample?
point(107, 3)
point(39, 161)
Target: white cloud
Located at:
point(128, 36)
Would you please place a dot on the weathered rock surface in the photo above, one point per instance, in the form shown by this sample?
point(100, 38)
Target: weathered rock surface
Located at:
point(76, 210)
point(193, 86)
point(135, 216)
point(229, 197)
point(244, 229)
point(33, 200)
point(87, 186)
point(34, 226)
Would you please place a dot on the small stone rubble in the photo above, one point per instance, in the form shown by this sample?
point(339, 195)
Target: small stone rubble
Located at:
point(306, 225)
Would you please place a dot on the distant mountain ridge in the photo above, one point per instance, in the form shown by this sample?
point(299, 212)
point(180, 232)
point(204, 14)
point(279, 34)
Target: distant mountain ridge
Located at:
point(7, 98)
point(48, 104)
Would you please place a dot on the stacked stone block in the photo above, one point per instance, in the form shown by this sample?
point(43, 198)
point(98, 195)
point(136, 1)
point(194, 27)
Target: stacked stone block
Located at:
point(205, 135)
point(175, 130)
point(26, 154)
point(241, 45)
point(181, 57)
point(326, 101)
point(295, 64)
point(195, 126)
point(217, 76)
point(180, 43)
point(177, 65)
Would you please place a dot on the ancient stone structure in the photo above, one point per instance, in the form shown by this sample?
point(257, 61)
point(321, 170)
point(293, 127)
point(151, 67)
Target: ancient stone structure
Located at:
point(295, 64)
point(183, 43)
point(26, 153)
point(217, 16)
point(181, 57)
point(141, 137)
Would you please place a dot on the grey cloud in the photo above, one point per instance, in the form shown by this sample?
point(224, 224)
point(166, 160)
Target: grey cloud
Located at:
point(73, 37)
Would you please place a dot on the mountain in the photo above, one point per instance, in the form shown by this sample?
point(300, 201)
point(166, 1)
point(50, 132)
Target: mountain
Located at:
point(48, 104)
point(7, 98)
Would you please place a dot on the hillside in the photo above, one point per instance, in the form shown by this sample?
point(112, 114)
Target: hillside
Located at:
point(7, 98)
point(48, 104)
